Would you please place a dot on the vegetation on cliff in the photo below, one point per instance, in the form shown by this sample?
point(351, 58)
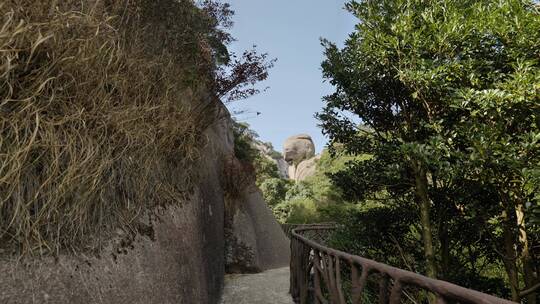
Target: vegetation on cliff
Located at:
point(102, 109)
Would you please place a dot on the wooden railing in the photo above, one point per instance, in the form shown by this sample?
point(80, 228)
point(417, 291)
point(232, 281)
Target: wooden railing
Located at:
point(320, 274)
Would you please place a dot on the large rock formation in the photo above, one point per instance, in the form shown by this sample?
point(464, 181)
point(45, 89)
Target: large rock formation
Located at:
point(298, 148)
point(283, 167)
point(306, 168)
point(299, 152)
point(178, 254)
point(255, 240)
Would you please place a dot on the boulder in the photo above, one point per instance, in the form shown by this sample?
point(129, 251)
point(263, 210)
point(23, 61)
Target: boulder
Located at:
point(299, 152)
point(298, 148)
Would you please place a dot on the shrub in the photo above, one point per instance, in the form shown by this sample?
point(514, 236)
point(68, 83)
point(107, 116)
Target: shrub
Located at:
point(243, 142)
point(389, 233)
point(302, 211)
point(266, 169)
point(308, 201)
point(274, 190)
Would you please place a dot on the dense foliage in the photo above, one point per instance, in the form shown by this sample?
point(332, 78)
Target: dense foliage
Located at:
point(309, 201)
point(448, 93)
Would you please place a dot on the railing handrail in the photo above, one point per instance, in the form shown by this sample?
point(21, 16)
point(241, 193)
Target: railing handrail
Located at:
point(288, 228)
point(442, 289)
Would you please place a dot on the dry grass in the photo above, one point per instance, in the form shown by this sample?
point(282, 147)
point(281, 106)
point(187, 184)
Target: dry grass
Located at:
point(99, 117)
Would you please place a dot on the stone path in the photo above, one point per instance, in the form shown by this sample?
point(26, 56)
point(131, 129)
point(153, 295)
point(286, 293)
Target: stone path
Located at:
point(269, 287)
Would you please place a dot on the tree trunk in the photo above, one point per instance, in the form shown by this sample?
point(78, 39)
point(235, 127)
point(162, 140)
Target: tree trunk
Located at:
point(509, 258)
point(525, 255)
point(445, 249)
point(421, 191)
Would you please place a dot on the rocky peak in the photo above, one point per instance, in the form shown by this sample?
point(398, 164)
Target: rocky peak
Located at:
point(299, 153)
point(298, 148)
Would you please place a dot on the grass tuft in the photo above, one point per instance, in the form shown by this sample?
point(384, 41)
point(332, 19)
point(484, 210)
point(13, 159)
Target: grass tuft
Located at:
point(101, 116)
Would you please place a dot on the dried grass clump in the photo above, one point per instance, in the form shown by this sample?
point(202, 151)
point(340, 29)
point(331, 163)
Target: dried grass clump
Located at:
point(98, 120)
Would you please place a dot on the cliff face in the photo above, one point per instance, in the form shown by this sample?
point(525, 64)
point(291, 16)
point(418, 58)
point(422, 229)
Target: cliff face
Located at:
point(177, 255)
point(254, 240)
point(117, 193)
point(176, 258)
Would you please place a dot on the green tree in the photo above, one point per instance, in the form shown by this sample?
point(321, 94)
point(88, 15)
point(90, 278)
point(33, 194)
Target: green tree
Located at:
point(449, 91)
point(274, 190)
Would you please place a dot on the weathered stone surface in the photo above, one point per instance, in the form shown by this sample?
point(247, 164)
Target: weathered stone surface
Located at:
point(177, 257)
point(264, 148)
point(182, 264)
point(291, 172)
point(283, 167)
point(299, 152)
point(306, 168)
point(298, 148)
point(241, 255)
point(256, 241)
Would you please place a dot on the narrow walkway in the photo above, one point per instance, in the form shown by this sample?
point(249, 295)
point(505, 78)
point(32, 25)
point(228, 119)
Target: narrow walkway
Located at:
point(269, 287)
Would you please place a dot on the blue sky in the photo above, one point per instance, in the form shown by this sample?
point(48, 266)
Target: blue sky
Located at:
point(289, 30)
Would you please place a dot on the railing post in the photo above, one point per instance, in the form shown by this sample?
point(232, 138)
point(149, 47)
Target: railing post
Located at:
point(395, 295)
point(383, 288)
point(317, 269)
point(293, 286)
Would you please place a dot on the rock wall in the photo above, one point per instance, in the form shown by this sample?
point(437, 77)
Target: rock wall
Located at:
point(283, 167)
point(255, 241)
point(178, 260)
point(178, 256)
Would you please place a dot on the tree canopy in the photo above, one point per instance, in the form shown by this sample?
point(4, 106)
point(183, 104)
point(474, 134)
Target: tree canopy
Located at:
point(448, 94)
